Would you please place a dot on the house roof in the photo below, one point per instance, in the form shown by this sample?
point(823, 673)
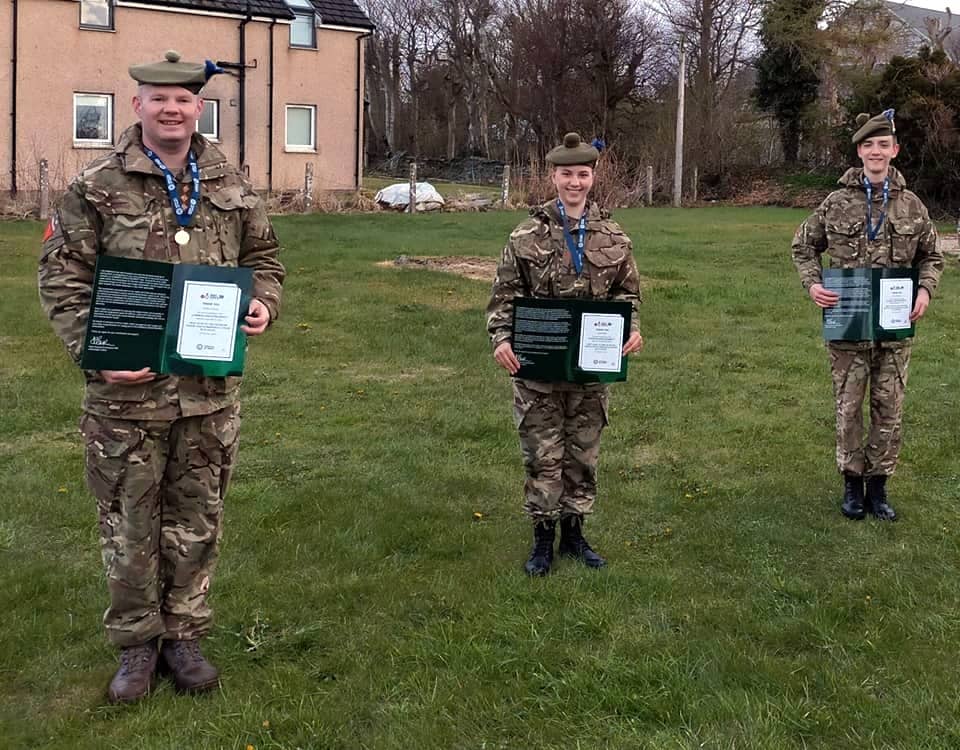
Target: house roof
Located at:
point(332, 12)
point(342, 13)
point(915, 18)
point(262, 8)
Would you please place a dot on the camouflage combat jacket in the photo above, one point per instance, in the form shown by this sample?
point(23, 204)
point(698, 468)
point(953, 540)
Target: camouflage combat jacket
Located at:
point(536, 263)
point(907, 238)
point(118, 205)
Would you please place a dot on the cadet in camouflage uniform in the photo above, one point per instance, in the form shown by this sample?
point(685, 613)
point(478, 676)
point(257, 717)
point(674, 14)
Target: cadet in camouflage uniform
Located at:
point(560, 423)
point(160, 449)
point(848, 232)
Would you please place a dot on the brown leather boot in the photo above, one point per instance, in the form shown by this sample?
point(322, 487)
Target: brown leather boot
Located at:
point(191, 672)
point(135, 677)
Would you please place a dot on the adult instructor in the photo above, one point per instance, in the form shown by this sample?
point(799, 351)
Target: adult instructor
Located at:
point(160, 449)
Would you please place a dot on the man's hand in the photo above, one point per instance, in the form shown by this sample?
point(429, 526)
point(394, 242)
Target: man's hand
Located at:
point(505, 357)
point(634, 343)
point(128, 377)
point(822, 297)
point(257, 318)
point(920, 306)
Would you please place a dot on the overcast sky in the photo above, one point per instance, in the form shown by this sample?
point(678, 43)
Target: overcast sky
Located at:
point(937, 5)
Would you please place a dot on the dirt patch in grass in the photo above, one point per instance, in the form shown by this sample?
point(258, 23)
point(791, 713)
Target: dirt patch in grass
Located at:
point(476, 268)
point(949, 245)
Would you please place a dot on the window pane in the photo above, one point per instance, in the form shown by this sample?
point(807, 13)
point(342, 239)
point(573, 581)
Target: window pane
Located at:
point(93, 118)
point(300, 3)
point(95, 13)
point(302, 30)
point(300, 127)
point(207, 124)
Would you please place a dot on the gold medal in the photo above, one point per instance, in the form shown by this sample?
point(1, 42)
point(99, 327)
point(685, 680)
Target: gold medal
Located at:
point(182, 237)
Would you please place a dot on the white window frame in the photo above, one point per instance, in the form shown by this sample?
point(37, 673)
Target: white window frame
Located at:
point(211, 105)
point(93, 142)
point(95, 26)
point(303, 9)
point(299, 148)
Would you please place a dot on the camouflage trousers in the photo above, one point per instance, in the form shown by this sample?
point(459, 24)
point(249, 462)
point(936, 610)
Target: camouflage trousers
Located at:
point(560, 439)
point(884, 371)
point(159, 487)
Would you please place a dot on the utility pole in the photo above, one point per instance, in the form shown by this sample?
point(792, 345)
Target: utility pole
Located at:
point(678, 151)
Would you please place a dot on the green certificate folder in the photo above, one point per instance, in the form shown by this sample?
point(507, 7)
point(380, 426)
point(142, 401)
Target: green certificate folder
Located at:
point(175, 318)
point(875, 304)
point(572, 340)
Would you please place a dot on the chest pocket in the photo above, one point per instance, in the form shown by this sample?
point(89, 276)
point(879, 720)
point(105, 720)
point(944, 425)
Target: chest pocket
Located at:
point(844, 242)
point(537, 260)
point(132, 225)
point(225, 207)
point(603, 266)
point(904, 237)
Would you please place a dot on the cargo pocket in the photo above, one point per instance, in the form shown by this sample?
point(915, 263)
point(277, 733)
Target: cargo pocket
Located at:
point(227, 212)
point(844, 241)
point(539, 265)
point(603, 265)
point(903, 238)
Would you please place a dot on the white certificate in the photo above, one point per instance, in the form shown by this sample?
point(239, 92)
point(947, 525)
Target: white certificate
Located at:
point(601, 342)
point(896, 303)
point(208, 320)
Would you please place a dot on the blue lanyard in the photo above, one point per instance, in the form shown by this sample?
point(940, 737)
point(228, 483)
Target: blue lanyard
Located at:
point(576, 249)
point(184, 215)
point(873, 231)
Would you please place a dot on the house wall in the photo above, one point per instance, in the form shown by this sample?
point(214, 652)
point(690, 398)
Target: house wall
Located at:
point(57, 58)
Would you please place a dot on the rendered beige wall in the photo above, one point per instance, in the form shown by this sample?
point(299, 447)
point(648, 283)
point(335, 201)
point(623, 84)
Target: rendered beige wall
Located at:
point(57, 58)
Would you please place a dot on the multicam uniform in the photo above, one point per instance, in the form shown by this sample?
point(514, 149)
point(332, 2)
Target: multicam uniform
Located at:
point(907, 239)
point(159, 455)
point(560, 423)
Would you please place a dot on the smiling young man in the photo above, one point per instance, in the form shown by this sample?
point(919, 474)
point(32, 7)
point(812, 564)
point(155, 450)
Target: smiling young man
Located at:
point(568, 248)
point(872, 221)
point(160, 449)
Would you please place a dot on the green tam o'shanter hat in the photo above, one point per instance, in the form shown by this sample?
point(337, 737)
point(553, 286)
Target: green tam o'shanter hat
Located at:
point(869, 127)
point(172, 72)
point(573, 152)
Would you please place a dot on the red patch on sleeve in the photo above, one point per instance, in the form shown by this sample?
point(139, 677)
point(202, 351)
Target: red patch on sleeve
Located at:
point(48, 232)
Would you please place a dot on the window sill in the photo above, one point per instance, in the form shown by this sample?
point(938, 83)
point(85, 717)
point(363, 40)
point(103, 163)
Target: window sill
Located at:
point(299, 150)
point(93, 144)
point(108, 29)
point(304, 47)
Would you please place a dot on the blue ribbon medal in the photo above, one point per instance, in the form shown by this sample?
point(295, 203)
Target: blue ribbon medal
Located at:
point(183, 213)
point(576, 248)
point(873, 231)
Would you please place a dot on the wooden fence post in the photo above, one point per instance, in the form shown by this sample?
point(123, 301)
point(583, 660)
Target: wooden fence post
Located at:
point(308, 186)
point(412, 200)
point(696, 179)
point(44, 190)
point(649, 185)
point(505, 186)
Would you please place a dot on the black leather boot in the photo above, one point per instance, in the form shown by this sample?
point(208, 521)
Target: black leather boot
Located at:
point(853, 497)
point(541, 557)
point(134, 679)
point(877, 499)
point(572, 543)
point(191, 671)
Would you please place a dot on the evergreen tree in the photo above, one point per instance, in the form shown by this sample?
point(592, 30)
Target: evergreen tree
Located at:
point(787, 77)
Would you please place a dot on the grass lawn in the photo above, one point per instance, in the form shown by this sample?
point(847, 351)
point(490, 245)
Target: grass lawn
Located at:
point(360, 604)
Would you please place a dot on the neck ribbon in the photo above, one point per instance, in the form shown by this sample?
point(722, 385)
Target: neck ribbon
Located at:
point(576, 248)
point(183, 213)
point(873, 231)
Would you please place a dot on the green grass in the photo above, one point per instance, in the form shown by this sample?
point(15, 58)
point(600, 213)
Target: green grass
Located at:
point(358, 603)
